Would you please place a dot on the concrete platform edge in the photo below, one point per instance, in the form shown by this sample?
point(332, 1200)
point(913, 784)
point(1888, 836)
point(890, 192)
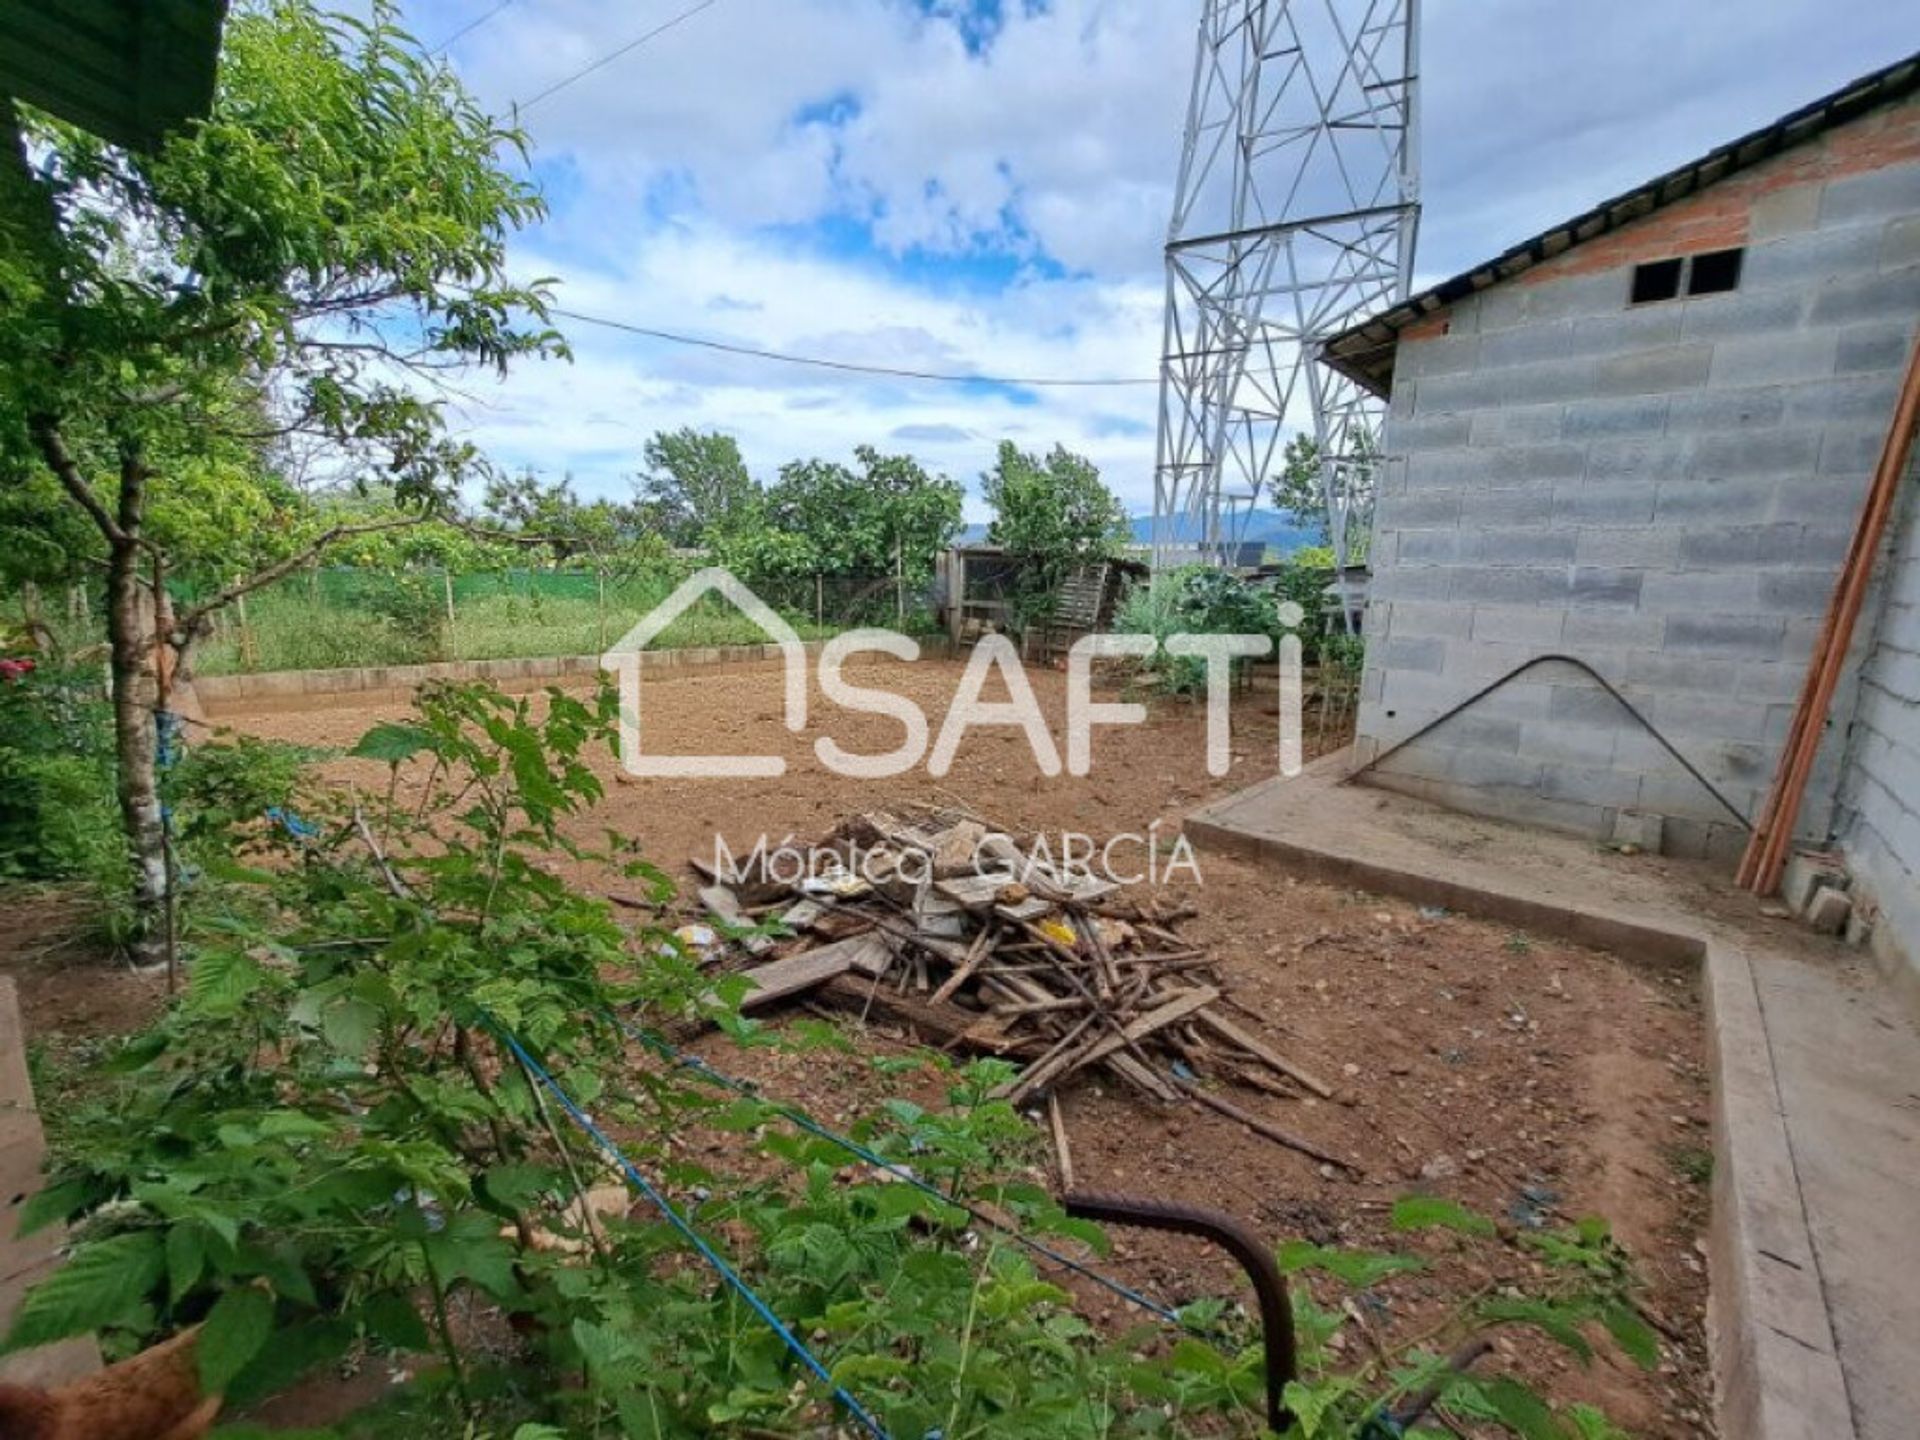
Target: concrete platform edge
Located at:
point(25, 1261)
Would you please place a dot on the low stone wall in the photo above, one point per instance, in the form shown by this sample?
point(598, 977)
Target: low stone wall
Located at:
point(218, 690)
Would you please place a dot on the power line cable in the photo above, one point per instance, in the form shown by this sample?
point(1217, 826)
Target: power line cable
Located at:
point(468, 28)
point(613, 55)
point(1035, 382)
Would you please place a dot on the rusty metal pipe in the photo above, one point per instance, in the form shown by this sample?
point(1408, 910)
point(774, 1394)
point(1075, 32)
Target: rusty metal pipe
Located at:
point(1239, 1240)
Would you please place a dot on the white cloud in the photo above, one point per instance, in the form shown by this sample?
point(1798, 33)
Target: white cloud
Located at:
point(593, 415)
point(1056, 142)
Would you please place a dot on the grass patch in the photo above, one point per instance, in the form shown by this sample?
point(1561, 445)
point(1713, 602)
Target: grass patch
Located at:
point(292, 629)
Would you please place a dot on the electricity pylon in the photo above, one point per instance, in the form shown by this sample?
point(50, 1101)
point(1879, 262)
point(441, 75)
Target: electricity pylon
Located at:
point(1295, 215)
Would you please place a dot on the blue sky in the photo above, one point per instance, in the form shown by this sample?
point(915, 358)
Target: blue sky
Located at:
point(983, 186)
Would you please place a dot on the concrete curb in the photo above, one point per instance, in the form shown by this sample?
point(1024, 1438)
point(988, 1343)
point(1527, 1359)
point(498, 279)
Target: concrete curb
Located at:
point(1775, 1362)
point(1777, 1374)
point(281, 684)
point(26, 1262)
point(227, 689)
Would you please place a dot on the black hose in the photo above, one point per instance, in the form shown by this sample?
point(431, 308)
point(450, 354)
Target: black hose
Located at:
point(1239, 1240)
point(1603, 683)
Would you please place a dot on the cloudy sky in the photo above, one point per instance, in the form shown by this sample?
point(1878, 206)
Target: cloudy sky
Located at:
point(982, 186)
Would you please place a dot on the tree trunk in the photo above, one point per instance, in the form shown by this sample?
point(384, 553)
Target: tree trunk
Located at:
point(130, 634)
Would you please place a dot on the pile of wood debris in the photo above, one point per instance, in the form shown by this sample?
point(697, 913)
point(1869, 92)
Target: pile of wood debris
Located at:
point(935, 920)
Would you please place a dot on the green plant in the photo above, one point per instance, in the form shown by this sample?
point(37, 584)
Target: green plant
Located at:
point(58, 818)
point(323, 1125)
point(1587, 1287)
point(56, 778)
point(273, 277)
point(1345, 653)
point(1195, 600)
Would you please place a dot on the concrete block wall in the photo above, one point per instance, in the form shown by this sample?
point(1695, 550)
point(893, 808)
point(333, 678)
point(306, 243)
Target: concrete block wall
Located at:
point(1879, 824)
point(1663, 491)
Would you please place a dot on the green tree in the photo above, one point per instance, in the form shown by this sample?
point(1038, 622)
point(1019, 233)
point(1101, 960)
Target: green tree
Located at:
point(298, 267)
point(1296, 489)
point(1298, 494)
point(695, 484)
point(889, 514)
point(1053, 514)
point(535, 514)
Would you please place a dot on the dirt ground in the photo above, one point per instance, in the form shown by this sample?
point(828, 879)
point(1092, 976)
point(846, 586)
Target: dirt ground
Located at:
point(1524, 1077)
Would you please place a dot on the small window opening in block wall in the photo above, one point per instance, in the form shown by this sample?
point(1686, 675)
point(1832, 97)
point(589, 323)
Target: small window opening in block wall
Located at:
point(1656, 280)
point(1715, 273)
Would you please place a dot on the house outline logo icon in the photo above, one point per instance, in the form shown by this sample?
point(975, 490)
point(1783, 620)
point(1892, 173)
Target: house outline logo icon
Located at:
point(623, 658)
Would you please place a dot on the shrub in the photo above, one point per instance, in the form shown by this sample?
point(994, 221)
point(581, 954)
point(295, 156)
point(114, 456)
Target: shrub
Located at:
point(57, 811)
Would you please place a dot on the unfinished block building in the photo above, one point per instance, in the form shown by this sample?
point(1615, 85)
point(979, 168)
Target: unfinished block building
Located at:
point(1640, 441)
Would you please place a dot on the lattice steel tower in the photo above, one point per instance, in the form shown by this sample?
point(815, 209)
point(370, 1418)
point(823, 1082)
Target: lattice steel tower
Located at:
point(1295, 214)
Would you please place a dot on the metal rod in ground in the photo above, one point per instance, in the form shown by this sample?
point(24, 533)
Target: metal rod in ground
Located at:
point(1240, 1241)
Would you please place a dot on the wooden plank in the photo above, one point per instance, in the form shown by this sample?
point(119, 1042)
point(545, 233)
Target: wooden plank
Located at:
point(1140, 1077)
point(1137, 1029)
point(941, 1026)
point(978, 951)
point(1031, 908)
point(1271, 1131)
point(724, 906)
point(975, 892)
point(1063, 1155)
point(867, 954)
point(803, 914)
point(1227, 1030)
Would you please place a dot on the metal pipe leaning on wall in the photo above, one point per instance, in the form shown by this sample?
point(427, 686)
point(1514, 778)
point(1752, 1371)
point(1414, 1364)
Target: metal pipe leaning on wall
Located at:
point(1766, 854)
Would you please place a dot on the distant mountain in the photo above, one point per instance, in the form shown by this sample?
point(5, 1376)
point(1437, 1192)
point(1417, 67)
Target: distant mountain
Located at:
point(1268, 526)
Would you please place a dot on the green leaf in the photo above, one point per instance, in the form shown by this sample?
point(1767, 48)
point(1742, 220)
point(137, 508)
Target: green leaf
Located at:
point(1357, 1268)
point(293, 1125)
point(232, 872)
point(53, 1204)
point(186, 1259)
point(1632, 1334)
point(235, 1329)
point(138, 1053)
point(1591, 1424)
point(220, 980)
point(1311, 1403)
point(351, 1026)
point(1430, 1212)
point(295, 1351)
point(392, 744)
point(517, 1186)
point(391, 1319)
point(97, 1285)
point(1521, 1411)
point(612, 1358)
point(1560, 1322)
